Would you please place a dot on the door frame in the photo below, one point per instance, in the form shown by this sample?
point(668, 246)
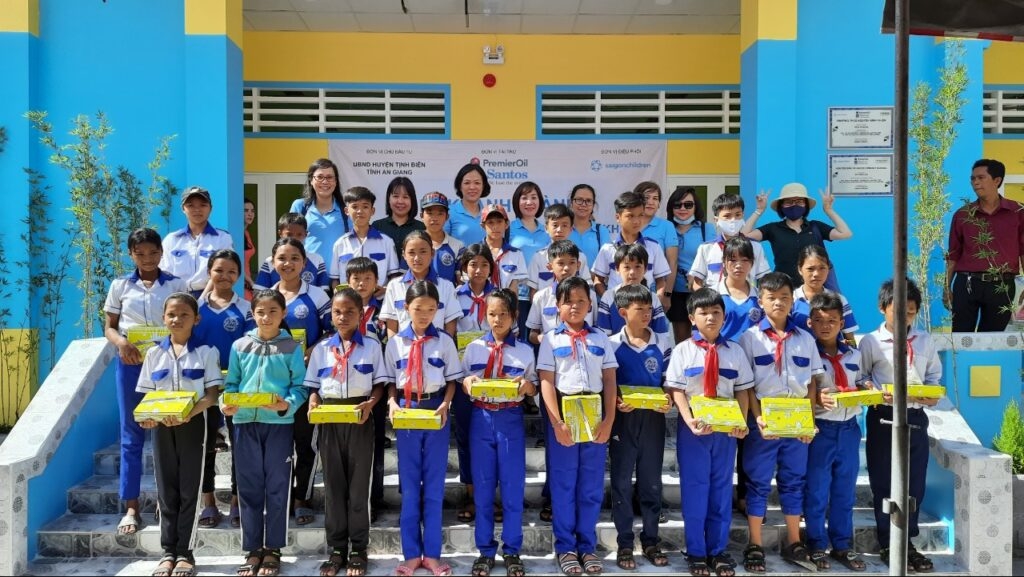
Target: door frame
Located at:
point(266, 211)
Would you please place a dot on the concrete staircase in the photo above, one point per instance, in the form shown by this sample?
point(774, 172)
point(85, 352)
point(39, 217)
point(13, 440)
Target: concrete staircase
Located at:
point(84, 539)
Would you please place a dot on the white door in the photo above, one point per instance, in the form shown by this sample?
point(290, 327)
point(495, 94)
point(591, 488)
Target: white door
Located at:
point(707, 187)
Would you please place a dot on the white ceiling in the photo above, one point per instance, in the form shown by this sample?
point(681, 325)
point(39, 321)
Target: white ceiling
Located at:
point(497, 16)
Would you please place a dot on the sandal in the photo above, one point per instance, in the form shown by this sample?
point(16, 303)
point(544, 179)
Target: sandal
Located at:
point(166, 565)
point(336, 562)
point(271, 566)
point(625, 559)
point(357, 563)
point(252, 564)
point(753, 559)
point(850, 559)
point(210, 517)
point(592, 564)
point(304, 515)
point(697, 566)
point(546, 514)
point(820, 560)
point(569, 563)
point(441, 569)
point(514, 566)
point(918, 562)
point(129, 524)
point(482, 566)
point(404, 570)
point(655, 556)
point(467, 514)
point(722, 565)
point(188, 571)
point(235, 516)
point(797, 554)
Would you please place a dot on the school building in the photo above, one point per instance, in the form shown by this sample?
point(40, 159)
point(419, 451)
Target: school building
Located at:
point(254, 90)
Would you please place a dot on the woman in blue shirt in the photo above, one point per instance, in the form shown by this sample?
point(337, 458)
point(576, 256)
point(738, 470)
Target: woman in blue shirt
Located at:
point(527, 234)
point(660, 230)
point(686, 213)
point(323, 207)
point(464, 215)
point(587, 234)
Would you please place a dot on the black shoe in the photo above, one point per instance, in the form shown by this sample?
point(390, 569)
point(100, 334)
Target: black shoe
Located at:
point(540, 443)
point(662, 518)
point(387, 442)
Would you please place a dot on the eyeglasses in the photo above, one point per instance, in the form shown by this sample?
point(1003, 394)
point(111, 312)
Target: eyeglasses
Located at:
point(687, 204)
point(583, 201)
point(794, 202)
point(323, 178)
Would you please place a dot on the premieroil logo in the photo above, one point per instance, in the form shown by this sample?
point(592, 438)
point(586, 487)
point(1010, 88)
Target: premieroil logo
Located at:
point(506, 168)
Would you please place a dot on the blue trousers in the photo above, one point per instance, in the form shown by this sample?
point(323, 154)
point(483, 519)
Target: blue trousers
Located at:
point(833, 459)
point(705, 486)
point(422, 463)
point(133, 437)
point(637, 444)
point(265, 455)
point(498, 445)
point(879, 456)
point(461, 409)
point(761, 458)
point(577, 489)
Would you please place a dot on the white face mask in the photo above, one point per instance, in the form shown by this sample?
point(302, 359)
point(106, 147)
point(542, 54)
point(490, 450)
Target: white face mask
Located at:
point(730, 227)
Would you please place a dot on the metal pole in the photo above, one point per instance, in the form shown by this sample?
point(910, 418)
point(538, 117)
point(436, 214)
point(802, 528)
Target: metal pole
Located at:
point(898, 504)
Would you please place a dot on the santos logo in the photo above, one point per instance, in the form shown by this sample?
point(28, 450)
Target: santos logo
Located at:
point(492, 166)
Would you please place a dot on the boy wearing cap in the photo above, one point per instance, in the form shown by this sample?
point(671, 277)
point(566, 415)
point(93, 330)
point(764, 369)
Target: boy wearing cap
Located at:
point(509, 265)
point(795, 231)
point(187, 250)
point(363, 239)
point(434, 212)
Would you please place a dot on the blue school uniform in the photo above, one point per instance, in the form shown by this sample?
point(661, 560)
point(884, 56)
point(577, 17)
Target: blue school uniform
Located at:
point(185, 256)
point(707, 265)
point(376, 246)
point(446, 258)
point(474, 307)
point(538, 275)
point(220, 328)
point(422, 454)
point(510, 265)
point(314, 273)
point(638, 439)
point(577, 472)
point(801, 363)
point(611, 322)
point(310, 310)
point(544, 312)
point(706, 461)
point(657, 266)
point(802, 310)
point(498, 443)
point(739, 315)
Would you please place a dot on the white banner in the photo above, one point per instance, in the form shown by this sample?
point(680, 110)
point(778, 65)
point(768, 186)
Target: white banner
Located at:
point(556, 166)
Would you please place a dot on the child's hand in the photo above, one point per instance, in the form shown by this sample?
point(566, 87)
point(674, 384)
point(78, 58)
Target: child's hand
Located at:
point(807, 440)
point(666, 407)
point(604, 431)
point(761, 425)
point(563, 435)
point(129, 354)
point(442, 410)
point(229, 410)
point(393, 408)
point(622, 406)
point(314, 402)
point(826, 400)
point(467, 383)
point(148, 424)
point(526, 388)
point(278, 405)
point(739, 432)
point(928, 402)
point(887, 397)
point(365, 408)
point(172, 421)
point(699, 427)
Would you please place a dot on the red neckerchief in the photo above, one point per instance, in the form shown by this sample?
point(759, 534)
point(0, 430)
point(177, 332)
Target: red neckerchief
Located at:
point(774, 336)
point(579, 336)
point(341, 361)
point(710, 367)
point(839, 373)
point(496, 271)
point(367, 315)
point(910, 350)
point(414, 369)
point(496, 360)
point(480, 304)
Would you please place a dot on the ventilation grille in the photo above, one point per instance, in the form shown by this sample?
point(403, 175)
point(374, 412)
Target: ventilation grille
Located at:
point(1003, 112)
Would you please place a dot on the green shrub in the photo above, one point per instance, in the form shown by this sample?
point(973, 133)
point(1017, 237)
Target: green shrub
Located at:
point(1010, 439)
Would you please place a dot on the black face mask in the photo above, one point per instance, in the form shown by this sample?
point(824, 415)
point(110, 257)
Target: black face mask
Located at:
point(794, 212)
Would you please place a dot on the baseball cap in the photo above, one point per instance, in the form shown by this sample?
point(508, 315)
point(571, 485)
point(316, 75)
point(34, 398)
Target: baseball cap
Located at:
point(195, 191)
point(433, 199)
point(491, 209)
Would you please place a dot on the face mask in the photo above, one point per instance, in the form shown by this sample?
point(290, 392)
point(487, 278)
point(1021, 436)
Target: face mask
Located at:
point(794, 212)
point(730, 227)
point(683, 221)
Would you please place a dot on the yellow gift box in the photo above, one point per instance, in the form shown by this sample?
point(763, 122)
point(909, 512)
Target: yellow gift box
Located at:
point(644, 397)
point(144, 337)
point(495, 390)
point(865, 398)
point(416, 419)
point(921, 391)
point(334, 414)
point(299, 335)
point(723, 415)
point(249, 400)
point(157, 405)
point(583, 414)
point(787, 417)
point(466, 337)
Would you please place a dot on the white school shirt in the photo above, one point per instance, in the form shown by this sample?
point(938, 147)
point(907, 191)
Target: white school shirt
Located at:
point(440, 359)
point(137, 305)
point(802, 310)
point(579, 373)
point(186, 257)
point(876, 356)
point(538, 274)
point(197, 369)
point(611, 322)
point(511, 265)
point(472, 319)
point(393, 308)
point(544, 312)
point(657, 266)
point(799, 355)
point(686, 369)
point(377, 246)
point(516, 358)
point(314, 273)
point(850, 359)
point(707, 265)
point(362, 369)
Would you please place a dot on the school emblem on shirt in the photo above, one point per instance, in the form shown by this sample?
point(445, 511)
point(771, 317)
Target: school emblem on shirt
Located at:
point(307, 277)
point(230, 324)
point(447, 259)
point(755, 315)
point(651, 364)
point(301, 312)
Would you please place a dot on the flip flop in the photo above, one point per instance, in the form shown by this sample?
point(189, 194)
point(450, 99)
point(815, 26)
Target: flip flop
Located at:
point(235, 517)
point(210, 517)
point(130, 520)
point(304, 515)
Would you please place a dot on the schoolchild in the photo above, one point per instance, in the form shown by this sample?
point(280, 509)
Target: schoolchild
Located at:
point(498, 438)
point(833, 458)
point(135, 301)
point(423, 367)
point(711, 366)
point(814, 265)
point(266, 360)
point(638, 436)
point(576, 359)
point(563, 262)
point(180, 363)
point(476, 264)
point(186, 251)
point(344, 369)
point(707, 267)
point(630, 263)
point(224, 317)
point(786, 364)
point(419, 253)
point(510, 265)
point(293, 225)
point(307, 308)
point(447, 248)
point(363, 240)
point(923, 367)
point(629, 213)
point(738, 293)
point(558, 221)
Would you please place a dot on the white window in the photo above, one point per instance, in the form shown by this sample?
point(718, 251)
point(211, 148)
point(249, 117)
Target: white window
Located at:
point(1003, 112)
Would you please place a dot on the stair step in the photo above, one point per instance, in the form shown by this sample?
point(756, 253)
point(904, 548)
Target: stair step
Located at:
point(92, 535)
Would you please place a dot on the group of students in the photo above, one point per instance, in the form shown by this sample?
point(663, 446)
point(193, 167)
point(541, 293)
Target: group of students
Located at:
point(384, 339)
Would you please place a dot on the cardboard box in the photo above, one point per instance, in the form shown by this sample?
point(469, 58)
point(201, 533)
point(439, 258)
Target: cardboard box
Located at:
point(788, 417)
point(723, 415)
point(921, 391)
point(300, 337)
point(583, 414)
point(423, 419)
point(248, 400)
point(865, 398)
point(145, 337)
point(466, 337)
point(644, 397)
point(495, 390)
point(334, 414)
point(157, 405)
